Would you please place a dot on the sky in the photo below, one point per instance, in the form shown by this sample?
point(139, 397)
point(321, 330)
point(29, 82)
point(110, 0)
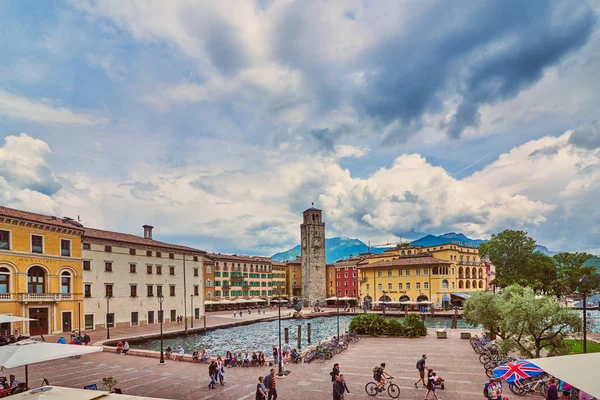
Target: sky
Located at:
point(219, 122)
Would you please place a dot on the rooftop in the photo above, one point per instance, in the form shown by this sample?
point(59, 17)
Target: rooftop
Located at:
point(237, 258)
point(133, 239)
point(64, 222)
point(403, 261)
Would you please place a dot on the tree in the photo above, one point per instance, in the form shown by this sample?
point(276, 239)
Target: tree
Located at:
point(570, 269)
point(510, 251)
point(523, 319)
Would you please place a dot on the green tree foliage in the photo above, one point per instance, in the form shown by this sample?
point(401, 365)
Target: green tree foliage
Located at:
point(376, 325)
point(510, 251)
point(569, 270)
point(524, 320)
point(414, 326)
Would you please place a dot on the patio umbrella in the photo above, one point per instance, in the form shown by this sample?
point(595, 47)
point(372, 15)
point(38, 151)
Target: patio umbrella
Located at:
point(61, 393)
point(11, 318)
point(30, 351)
point(514, 372)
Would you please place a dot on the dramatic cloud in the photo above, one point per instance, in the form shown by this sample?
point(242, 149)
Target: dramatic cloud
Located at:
point(587, 137)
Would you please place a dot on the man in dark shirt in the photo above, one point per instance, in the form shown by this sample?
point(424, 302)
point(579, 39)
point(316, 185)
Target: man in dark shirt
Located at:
point(552, 393)
point(421, 367)
point(270, 385)
point(338, 388)
point(335, 372)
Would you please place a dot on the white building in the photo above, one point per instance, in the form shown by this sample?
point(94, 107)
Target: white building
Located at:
point(124, 275)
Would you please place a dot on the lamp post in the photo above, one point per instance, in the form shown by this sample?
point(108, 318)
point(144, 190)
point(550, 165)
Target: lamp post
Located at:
point(107, 314)
point(279, 352)
point(584, 282)
point(161, 299)
point(192, 310)
point(337, 305)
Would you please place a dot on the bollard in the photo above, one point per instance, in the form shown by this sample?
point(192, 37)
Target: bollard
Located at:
point(308, 333)
point(299, 337)
point(286, 335)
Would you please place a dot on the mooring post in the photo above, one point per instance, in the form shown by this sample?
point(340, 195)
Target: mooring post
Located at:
point(308, 333)
point(286, 335)
point(299, 337)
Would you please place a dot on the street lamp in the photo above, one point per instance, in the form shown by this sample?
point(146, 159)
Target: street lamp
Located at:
point(384, 294)
point(192, 310)
point(107, 314)
point(161, 299)
point(584, 282)
point(337, 305)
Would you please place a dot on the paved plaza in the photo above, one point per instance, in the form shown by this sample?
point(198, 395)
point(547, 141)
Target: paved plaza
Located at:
point(452, 358)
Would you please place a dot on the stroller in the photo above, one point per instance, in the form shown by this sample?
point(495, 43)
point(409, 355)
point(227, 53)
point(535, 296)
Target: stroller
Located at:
point(439, 382)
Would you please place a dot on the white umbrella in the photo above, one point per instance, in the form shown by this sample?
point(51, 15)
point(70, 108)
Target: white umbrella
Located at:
point(61, 393)
point(331, 298)
point(30, 351)
point(209, 302)
point(225, 301)
point(346, 298)
point(11, 318)
point(408, 303)
point(579, 370)
point(260, 300)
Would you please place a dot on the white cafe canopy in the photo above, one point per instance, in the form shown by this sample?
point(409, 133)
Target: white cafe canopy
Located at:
point(225, 301)
point(408, 303)
point(346, 298)
point(332, 298)
point(209, 302)
point(11, 318)
point(61, 393)
point(579, 370)
point(260, 300)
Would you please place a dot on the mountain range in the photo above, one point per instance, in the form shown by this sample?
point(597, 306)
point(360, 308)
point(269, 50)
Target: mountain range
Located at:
point(339, 248)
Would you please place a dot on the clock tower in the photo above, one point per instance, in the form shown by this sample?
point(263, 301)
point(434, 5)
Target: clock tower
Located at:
point(312, 233)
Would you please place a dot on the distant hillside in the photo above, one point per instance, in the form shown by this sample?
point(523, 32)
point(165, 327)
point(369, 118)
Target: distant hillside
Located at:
point(336, 248)
point(593, 262)
point(544, 249)
point(339, 248)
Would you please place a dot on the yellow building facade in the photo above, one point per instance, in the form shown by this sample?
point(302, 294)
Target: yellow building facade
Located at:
point(279, 278)
point(294, 278)
point(40, 272)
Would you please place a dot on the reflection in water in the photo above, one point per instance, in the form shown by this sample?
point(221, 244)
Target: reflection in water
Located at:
point(262, 336)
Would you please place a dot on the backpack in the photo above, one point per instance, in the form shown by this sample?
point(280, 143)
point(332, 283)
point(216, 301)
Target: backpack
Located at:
point(485, 390)
point(377, 373)
point(420, 364)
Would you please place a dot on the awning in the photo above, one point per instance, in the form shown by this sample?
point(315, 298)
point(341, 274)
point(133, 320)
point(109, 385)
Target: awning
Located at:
point(11, 318)
point(209, 302)
point(347, 298)
point(463, 296)
point(60, 393)
point(408, 303)
point(225, 301)
point(260, 300)
point(445, 298)
point(332, 298)
point(425, 302)
point(579, 370)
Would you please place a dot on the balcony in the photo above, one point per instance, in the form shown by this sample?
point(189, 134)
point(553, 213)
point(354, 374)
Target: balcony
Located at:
point(363, 279)
point(49, 297)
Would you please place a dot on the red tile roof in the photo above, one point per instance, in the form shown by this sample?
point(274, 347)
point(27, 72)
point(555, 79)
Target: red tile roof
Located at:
point(238, 258)
point(133, 239)
point(403, 261)
point(39, 218)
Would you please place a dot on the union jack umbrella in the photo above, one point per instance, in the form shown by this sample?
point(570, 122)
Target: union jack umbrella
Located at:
point(514, 372)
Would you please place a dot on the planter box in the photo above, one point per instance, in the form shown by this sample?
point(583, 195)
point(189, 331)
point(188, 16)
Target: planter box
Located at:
point(465, 335)
point(441, 335)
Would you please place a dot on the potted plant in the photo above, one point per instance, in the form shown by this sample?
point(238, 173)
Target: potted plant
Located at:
point(441, 334)
point(110, 382)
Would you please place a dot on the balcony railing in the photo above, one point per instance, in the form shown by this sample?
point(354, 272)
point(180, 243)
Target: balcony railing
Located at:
point(363, 279)
point(47, 296)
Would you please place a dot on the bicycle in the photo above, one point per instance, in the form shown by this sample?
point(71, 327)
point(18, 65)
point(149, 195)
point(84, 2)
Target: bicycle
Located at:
point(393, 390)
point(532, 385)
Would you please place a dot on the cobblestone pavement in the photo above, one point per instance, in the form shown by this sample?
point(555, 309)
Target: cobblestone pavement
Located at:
point(452, 358)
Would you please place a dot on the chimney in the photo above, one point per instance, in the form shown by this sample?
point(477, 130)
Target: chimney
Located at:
point(147, 231)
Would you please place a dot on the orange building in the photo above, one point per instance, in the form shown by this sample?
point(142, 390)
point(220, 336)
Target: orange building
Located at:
point(209, 278)
point(294, 277)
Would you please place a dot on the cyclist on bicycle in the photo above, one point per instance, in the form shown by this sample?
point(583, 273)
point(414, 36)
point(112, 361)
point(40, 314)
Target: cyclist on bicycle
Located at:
point(379, 375)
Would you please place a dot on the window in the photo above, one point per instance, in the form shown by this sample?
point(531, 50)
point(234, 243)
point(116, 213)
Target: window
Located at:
point(149, 253)
point(195, 258)
point(173, 315)
point(354, 274)
point(86, 246)
point(108, 290)
point(171, 256)
point(389, 286)
point(87, 265)
point(345, 274)
point(452, 285)
point(89, 321)
point(196, 271)
point(367, 287)
point(108, 249)
point(133, 290)
point(132, 268)
point(37, 244)
point(426, 271)
point(132, 252)
point(159, 270)
point(196, 290)
point(418, 271)
point(389, 272)
point(337, 283)
point(65, 247)
point(171, 270)
point(379, 274)
point(158, 254)
point(400, 286)
point(399, 272)
point(108, 266)
point(445, 284)
point(208, 270)
point(150, 290)
point(418, 285)
point(379, 287)
point(172, 290)
point(452, 271)
point(208, 283)
point(36, 278)
point(87, 290)
point(338, 275)
point(4, 280)
point(408, 272)
point(407, 285)
point(148, 269)
point(65, 282)
point(426, 285)
point(159, 291)
point(134, 318)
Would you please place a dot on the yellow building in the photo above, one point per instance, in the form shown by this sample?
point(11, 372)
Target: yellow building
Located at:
point(279, 278)
point(40, 272)
point(294, 278)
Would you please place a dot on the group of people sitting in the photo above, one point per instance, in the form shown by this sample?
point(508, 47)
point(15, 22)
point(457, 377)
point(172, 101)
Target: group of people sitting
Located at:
point(122, 348)
point(200, 356)
point(177, 356)
point(244, 360)
point(8, 388)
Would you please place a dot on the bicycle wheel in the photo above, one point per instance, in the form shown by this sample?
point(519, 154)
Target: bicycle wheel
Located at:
point(393, 390)
point(371, 389)
point(321, 357)
point(518, 390)
point(489, 373)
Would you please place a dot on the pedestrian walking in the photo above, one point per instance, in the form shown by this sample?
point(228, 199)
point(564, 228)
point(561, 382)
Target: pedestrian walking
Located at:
point(338, 389)
point(335, 372)
point(261, 390)
point(343, 380)
point(275, 356)
point(431, 377)
point(271, 386)
point(552, 393)
point(421, 367)
point(212, 372)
